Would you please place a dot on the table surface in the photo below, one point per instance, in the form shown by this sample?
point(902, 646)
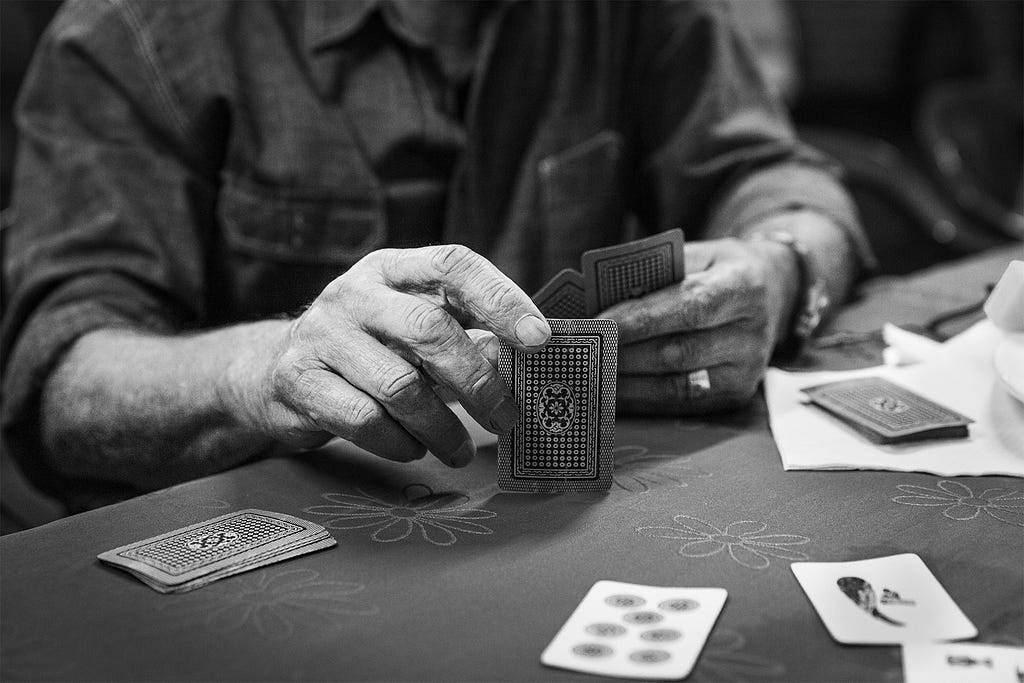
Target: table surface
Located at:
point(439, 575)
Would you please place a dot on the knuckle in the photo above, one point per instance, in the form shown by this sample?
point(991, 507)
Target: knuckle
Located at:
point(700, 303)
point(285, 377)
point(478, 382)
point(496, 295)
point(640, 319)
point(674, 353)
point(361, 415)
point(738, 387)
point(397, 383)
point(373, 260)
point(427, 322)
point(449, 259)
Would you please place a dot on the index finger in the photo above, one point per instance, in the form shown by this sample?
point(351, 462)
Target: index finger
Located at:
point(471, 285)
point(704, 300)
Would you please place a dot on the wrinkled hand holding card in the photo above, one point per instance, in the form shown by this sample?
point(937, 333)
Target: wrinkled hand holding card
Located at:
point(635, 631)
point(882, 601)
point(192, 557)
point(566, 396)
point(886, 412)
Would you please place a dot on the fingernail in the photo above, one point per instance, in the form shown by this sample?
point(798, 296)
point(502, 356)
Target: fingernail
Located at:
point(463, 456)
point(504, 416)
point(532, 331)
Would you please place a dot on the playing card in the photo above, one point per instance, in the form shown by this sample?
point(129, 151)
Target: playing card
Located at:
point(631, 270)
point(885, 412)
point(633, 631)
point(882, 601)
point(187, 558)
point(958, 662)
point(566, 396)
point(562, 296)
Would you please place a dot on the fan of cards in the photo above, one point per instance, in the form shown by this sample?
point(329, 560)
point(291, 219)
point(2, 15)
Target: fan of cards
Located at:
point(192, 557)
point(613, 274)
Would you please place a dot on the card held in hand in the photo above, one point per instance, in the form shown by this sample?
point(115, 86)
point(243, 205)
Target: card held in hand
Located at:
point(885, 412)
point(566, 397)
point(631, 270)
point(562, 296)
point(191, 557)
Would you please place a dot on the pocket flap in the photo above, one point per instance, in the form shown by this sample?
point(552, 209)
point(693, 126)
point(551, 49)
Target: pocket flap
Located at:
point(311, 227)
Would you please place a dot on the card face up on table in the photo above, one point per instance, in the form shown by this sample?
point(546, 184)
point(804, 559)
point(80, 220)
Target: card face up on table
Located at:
point(566, 396)
point(882, 601)
point(959, 662)
point(192, 557)
point(629, 630)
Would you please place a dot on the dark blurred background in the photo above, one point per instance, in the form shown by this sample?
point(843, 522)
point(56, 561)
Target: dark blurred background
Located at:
point(921, 101)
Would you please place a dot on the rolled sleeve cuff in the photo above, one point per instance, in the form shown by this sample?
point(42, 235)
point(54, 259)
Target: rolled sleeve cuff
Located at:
point(792, 187)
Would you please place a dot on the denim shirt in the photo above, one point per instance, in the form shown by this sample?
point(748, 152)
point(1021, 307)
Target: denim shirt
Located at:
point(190, 164)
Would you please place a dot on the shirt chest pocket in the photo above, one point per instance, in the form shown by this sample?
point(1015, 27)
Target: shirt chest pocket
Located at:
point(303, 227)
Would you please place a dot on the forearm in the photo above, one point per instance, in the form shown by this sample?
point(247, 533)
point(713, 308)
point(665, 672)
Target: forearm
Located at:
point(153, 410)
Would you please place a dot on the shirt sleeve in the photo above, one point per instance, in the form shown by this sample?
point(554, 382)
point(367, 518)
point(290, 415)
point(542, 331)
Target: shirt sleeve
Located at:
point(106, 224)
point(718, 152)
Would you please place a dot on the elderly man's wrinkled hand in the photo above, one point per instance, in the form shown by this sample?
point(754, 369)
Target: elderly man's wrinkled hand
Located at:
point(703, 344)
point(368, 357)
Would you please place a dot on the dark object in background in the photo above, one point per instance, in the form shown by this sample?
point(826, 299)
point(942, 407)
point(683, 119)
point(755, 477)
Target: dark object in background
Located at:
point(973, 136)
point(888, 88)
point(908, 221)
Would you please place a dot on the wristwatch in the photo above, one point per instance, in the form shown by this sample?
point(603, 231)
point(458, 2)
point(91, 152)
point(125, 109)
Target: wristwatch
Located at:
point(814, 296)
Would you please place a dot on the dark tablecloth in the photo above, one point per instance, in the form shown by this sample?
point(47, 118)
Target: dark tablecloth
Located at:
point(438, 575)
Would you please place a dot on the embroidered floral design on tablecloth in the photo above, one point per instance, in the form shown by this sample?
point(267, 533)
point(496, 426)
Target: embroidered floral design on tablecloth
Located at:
point(744, 540)
point(638, 470)
point(274, 604)
point(960, 503)
point(723, 659)
point(438, 517)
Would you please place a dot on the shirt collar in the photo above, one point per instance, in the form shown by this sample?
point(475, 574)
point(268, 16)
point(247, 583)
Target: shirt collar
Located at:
point(327, 23)
point(330, 22)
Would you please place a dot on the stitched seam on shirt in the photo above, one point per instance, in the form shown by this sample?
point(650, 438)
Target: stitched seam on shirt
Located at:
point(148, 52)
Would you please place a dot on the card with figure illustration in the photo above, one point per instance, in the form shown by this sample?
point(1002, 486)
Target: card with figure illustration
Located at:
point(566, 396)
point(882, 601)
point(629, 271)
